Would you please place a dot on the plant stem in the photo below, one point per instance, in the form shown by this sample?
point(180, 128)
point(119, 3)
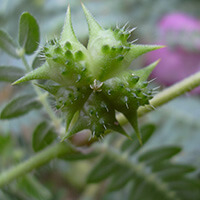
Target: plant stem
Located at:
point(43, 99)
point(172, 92)
point(36, 161)
point(52, 152)
point(28, 68)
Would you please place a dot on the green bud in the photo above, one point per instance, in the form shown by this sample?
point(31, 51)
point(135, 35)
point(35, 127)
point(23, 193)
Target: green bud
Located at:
point(68, 55)
point(68, 45)
point(79, 55)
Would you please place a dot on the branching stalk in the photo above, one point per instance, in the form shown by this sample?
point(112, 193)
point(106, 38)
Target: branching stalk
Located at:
point(52, 152)
point(34, 162)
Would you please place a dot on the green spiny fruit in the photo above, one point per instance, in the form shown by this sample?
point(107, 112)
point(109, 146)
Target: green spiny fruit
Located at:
point(93, 83)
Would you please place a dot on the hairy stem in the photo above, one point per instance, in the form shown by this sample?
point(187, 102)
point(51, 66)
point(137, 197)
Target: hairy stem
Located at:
point(43, 99)
point(52, 152)
point(34, 162)
point(172, 92)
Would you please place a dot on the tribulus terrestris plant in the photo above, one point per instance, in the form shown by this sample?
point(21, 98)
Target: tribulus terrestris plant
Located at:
point(90, 87)
point(92, 83)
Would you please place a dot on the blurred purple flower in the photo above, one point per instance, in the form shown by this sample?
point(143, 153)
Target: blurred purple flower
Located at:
point(181, 58)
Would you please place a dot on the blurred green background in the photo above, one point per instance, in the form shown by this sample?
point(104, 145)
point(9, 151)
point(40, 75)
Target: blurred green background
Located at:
point(177, 122)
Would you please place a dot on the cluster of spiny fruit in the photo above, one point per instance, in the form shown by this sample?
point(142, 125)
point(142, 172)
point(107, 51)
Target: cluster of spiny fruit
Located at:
point(91, 84)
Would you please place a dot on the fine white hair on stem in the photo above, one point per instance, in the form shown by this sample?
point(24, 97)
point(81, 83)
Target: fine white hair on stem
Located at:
point(134, 41)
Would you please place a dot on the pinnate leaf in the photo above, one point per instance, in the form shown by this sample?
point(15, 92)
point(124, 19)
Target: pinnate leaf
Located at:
point(33, 188)
point(102, 170)
point(159, 154)
point(120, 179)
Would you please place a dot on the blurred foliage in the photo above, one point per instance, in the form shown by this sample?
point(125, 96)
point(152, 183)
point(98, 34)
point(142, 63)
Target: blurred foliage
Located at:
point(150, 174)
point(177, 122)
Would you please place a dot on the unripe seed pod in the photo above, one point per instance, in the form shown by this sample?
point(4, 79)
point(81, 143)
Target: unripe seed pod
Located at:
point(93, 82)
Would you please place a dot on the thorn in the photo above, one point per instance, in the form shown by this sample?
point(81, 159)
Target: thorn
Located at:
point(147, 107)
point(155, 92)
point(136, 96)
point(117, 25)
point(146, 95)
point(125, 25)
point(156, 88)
point(97, 115)
point(130, 31)
point(109, 92)
point(128, 36)
point(126, 100)
point(152, 107)
point(105, 106)
point(128, 89)
point(152, 80)
point(79, 78)
point(101, 137)
point(127, 29)
point(93, 134)
point(134, 41)
point(90, 137)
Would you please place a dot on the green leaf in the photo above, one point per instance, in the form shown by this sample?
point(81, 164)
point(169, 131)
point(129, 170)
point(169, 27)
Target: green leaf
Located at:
point(43, 136)
point(135, 186)
point(29, 35)
point(10, 73)
point(8, 44)
point(133, 145)
point(133, 119)
point(120, 179)
point(33, 188)
point(20, 106)
point(159, 154)
point(102, 170)
point(183, 183)
point(170, 172)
